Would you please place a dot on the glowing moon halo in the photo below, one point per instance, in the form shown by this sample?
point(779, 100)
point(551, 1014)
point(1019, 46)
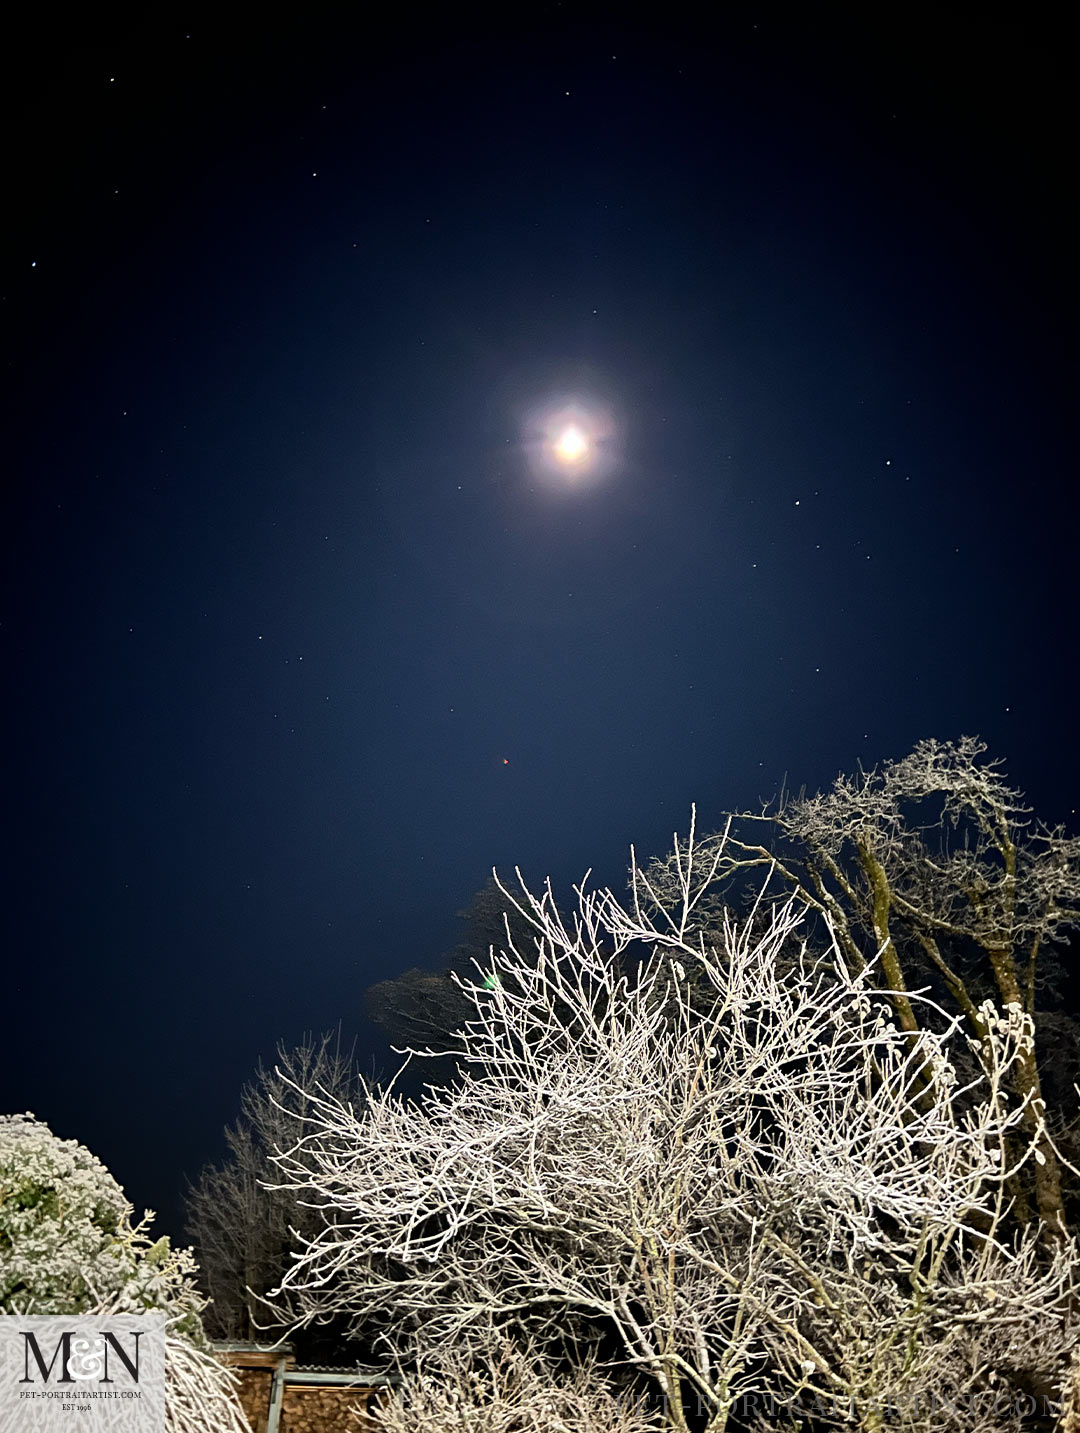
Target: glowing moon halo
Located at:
point(572, 446)
point(569, 441)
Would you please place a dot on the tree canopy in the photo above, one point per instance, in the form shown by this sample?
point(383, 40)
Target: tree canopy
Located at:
point(780, 1192)
point(931, 873)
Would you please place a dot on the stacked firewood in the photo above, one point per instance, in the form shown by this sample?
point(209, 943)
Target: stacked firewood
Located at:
point(325, 1410)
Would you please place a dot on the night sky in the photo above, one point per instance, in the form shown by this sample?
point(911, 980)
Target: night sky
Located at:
point(302, 633)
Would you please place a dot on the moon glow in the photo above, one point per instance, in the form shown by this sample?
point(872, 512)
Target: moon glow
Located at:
point(571, 446)
point(570, 442)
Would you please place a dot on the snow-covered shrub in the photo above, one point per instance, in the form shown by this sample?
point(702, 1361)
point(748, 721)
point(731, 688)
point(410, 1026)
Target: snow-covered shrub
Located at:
point(68, 1246)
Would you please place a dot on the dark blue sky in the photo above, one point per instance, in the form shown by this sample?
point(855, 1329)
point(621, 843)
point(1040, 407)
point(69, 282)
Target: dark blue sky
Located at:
point(283, 594)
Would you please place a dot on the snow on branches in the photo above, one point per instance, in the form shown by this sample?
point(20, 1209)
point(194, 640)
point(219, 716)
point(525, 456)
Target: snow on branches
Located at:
point(777, 1189)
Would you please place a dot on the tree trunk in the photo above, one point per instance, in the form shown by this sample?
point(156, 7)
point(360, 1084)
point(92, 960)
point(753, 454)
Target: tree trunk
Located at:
point(1048, 1197)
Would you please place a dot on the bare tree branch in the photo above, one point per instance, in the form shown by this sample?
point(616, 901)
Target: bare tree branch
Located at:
point(782, 1192)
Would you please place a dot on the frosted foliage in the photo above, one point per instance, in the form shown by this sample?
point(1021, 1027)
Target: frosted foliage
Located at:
point(61, 1217)
point(68, 1246)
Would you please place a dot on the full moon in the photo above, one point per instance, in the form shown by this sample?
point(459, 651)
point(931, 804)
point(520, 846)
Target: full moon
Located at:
point(572, 446)
point(570, 441)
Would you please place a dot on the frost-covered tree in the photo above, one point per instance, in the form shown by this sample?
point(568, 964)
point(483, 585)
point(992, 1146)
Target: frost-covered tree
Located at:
point(507, 1391)
point(779, 1191)
point(929, 870)
point(242, 1230)
point(68, 1246)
